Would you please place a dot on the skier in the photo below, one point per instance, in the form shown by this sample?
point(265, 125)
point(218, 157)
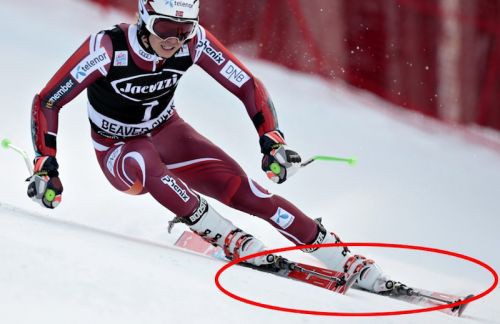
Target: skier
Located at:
point(143, 146)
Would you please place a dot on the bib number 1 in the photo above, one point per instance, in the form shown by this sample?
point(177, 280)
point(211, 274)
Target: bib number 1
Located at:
point(149, 109)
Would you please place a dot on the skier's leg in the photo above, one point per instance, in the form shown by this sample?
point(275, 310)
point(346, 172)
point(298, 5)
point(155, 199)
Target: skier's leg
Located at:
point(217, 230)
point(134, 167)
point(210, 171)
point(297, 227)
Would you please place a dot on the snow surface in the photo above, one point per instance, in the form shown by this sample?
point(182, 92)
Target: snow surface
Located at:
point(105, 257)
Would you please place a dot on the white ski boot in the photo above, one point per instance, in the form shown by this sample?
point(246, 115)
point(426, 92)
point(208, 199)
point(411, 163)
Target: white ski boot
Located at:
point(371, 277)
point(218, 231)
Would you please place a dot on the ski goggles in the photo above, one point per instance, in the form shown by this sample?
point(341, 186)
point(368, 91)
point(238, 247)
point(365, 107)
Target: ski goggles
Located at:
point(165, 28)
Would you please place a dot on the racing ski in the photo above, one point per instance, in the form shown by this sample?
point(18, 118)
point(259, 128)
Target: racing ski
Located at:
point(328, 279)
point(426, 298)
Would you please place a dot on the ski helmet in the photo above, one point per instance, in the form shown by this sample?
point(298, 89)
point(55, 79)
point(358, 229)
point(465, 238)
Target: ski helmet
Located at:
point(169, 18)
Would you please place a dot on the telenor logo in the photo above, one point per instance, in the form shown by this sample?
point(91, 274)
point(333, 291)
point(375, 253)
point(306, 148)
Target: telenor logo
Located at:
point(90, 64)
point(183, 4)
point(80, 73)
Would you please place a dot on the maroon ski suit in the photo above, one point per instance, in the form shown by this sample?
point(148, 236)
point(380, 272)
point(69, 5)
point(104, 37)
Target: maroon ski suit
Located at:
point(141, 143)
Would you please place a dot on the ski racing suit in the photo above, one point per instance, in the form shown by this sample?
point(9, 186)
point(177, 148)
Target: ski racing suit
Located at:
point(143, 145)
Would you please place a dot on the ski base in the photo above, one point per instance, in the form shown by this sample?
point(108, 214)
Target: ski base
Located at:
point(335, 281)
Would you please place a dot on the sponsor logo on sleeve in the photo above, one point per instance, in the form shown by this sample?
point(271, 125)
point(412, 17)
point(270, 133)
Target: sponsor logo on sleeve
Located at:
point(121, 58)
point(60, 92)
point(169, 181)
point(207, 48)
point(234, 74)
point(90, 64)
point(283, 218)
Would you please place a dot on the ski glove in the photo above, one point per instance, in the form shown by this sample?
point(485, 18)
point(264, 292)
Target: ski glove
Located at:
point(279, 161)
point(44, 185)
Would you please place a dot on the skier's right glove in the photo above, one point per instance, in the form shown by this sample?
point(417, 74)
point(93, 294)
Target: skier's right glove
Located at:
point(44, 185)
point(279, 161)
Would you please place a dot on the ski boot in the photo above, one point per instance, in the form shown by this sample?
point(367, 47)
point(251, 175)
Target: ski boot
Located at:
point(371, 277)
point(218, 231)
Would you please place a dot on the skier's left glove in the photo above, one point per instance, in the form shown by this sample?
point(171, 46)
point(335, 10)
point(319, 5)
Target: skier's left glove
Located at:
point(279, 161)
point(44, 185)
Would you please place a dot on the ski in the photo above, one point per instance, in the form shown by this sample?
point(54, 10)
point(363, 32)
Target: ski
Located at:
point(338, 282)
point(328, 279)
point(426, 298)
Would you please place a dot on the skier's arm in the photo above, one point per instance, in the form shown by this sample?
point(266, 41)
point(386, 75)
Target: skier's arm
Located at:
point(89, 63)
point(279, 162)
point(208, 53)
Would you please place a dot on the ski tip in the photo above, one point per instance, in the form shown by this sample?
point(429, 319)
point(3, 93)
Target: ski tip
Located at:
point(460, 309)
point(6, 143)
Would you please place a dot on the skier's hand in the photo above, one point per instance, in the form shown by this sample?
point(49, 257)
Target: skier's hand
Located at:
point(44, 185)
point(279, 161)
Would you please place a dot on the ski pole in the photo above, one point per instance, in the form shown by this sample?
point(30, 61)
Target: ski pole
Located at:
point(276, 167)
point(6, 144)
point(350, 161)
point(49, 194)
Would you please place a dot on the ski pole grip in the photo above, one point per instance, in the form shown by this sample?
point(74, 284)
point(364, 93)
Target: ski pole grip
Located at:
point(275, 168)
point(50, 195)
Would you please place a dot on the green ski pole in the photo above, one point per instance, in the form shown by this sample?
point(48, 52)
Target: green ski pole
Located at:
point(49, 194)
point(350, 161)
point(7, 144)
point(276, 167)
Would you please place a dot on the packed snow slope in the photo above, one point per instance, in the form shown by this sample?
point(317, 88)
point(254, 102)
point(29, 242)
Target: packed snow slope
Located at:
point(105, 257)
